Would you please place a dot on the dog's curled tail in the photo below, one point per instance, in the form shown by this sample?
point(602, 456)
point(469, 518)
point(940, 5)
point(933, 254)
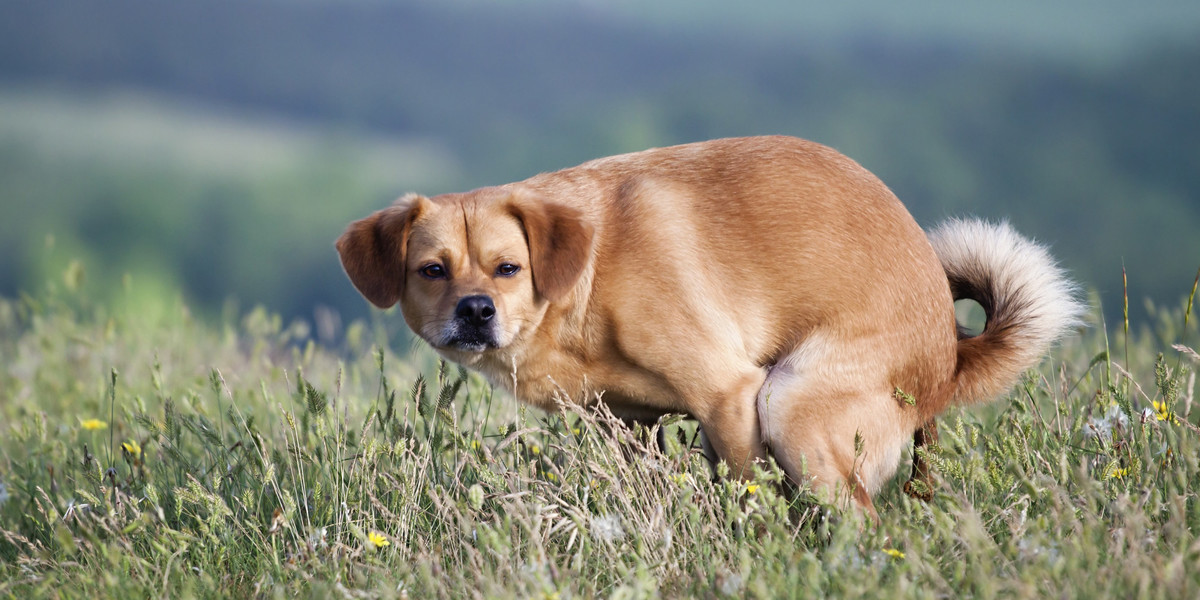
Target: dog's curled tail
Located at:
point(1029, 302)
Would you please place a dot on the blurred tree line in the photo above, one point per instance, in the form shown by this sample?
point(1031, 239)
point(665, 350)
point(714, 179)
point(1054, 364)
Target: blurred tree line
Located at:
point(1102, 161)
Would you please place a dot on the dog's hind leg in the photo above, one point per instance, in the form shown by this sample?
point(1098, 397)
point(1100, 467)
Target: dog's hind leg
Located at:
point(832, 423)
point(920, 484)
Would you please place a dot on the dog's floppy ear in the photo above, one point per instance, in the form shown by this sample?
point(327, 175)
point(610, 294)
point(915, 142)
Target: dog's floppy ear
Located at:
point(372, 250)
point(560, 243)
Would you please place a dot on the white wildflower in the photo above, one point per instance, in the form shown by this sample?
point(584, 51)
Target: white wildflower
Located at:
point(608, 528)
point(1032, 550)
point(730, 584)
point(316, 538)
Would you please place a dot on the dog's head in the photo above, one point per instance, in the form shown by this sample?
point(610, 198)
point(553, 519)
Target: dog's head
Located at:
point(472, 272)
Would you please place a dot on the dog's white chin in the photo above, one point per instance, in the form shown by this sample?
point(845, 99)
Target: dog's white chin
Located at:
point(466, 348)
point(471, 348)
point(467, 355)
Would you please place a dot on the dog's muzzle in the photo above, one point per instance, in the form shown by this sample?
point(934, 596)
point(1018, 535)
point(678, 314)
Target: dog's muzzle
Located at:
point(473, 328)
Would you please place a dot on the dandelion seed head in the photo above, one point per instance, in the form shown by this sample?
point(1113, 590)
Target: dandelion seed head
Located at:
point(1113, 420)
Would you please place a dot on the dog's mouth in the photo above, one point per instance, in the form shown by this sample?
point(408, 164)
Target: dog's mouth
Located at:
point(472, 341)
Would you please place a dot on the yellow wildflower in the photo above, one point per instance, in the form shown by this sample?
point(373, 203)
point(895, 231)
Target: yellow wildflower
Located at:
point(378, 539)
point(1162, 412)
point(1118, 473)
point(535, 449)
point(93, 424)
point(132, 448)
point(894, 553)
point(752, 488)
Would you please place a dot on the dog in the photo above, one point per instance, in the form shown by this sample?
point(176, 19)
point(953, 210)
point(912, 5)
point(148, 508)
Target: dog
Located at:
point(769, 287)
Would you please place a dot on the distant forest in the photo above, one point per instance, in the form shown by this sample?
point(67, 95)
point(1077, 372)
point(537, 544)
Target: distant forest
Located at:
point(1102, 162)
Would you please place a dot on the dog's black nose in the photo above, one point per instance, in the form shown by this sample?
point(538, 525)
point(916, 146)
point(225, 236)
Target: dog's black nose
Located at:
point(475, 310)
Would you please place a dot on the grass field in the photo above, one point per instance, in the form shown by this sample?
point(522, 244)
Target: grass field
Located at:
point(178, 458)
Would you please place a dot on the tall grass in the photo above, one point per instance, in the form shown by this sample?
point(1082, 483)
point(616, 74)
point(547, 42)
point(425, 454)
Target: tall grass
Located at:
point(182, 459)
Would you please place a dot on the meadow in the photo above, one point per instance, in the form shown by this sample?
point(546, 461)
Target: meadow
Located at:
point(165, 168)
point(173, 456)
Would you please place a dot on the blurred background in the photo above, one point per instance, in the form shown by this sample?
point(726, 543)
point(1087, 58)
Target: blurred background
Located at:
point(152, 150)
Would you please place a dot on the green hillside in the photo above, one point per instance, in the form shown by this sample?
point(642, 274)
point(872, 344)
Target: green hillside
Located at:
point(1099, 158)
point(1093, 31)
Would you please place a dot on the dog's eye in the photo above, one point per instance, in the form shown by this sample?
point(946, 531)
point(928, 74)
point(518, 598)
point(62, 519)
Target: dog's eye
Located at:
point(507, 270)
point(434, 271)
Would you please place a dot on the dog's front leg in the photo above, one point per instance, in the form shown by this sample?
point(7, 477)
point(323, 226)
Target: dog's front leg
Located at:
point(729, 423)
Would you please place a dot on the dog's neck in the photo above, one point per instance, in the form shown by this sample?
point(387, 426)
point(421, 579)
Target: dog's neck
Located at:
point(576, 362)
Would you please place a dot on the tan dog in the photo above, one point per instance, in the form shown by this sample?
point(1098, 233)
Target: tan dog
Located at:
point(769, 287)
